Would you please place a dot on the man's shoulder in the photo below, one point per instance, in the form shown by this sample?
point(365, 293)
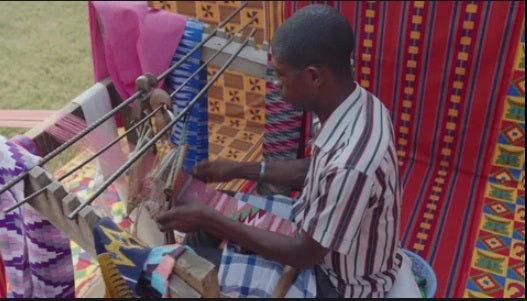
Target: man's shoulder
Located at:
point(364, 145)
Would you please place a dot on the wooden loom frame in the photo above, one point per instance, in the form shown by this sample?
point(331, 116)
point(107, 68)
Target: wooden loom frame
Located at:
point(193, 276)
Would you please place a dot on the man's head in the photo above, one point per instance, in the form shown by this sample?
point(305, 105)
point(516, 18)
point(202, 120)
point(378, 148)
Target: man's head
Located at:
point(311, 50)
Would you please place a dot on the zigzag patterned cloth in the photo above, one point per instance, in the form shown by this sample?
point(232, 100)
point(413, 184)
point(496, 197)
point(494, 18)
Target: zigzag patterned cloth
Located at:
point(192, 189)
point(37, 256)
point(281, 139)
point(197, 133)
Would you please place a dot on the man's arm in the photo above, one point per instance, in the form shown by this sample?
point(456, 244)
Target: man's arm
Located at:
point(291, 173)
point(299, 252)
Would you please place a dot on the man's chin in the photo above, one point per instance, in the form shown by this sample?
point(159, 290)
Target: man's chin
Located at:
point(297, 107)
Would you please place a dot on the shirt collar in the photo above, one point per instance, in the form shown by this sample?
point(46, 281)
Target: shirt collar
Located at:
point(339, 120)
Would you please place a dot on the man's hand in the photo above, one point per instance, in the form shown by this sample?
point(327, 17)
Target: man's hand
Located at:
point(186, 216)
point(215, 171)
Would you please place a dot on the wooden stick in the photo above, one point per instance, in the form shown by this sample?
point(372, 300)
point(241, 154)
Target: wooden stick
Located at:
point(285, 282)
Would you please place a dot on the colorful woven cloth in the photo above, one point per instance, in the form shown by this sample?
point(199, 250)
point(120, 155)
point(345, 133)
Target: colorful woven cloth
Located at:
point(192, 189)
point(128, 253)
point(26, 143)
point(281, 139)
point(37, 256)
point(443, 69)
point(197, 133)
point(497, 267)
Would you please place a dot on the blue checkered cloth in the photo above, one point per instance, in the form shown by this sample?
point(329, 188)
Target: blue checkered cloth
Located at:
point(278, 205)
point(252, 276)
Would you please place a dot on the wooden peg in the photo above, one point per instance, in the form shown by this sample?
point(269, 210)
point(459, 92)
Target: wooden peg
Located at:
point(160, 97)
point(252, 43)
point(145, 82)
point(221, 33)
point(285, 282)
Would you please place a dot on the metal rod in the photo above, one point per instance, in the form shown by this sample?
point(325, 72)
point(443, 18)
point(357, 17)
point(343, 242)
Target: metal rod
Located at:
point(86, 161)
point(143, 149)
point(99, 121)
point(204, 65)
point(225, 21)
point(247, 24)
point(68, 143)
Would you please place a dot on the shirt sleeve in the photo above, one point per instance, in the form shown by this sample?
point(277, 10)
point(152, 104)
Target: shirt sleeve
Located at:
point(333, 217)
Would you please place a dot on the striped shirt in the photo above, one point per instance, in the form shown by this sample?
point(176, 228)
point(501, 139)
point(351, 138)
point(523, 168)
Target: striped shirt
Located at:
point(351, 198)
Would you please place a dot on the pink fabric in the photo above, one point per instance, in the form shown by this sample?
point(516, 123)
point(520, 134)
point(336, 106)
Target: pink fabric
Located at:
point(134, 40)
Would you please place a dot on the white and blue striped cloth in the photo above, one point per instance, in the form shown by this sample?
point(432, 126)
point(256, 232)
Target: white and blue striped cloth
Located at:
point(197, 134)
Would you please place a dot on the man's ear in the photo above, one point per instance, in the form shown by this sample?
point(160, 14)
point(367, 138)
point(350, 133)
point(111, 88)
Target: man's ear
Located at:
point(315, 75)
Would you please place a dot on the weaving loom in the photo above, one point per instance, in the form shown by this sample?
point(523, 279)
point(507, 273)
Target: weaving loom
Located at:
point(464, 205)
point(76, 218)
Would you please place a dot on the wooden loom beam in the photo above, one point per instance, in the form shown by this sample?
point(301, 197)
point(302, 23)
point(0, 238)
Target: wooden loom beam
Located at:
point(193, 276)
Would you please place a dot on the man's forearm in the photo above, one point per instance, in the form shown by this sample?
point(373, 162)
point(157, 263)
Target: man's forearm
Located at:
point(291, 173)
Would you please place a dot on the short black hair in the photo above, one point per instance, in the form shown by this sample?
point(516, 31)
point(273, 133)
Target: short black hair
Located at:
point(316, 34)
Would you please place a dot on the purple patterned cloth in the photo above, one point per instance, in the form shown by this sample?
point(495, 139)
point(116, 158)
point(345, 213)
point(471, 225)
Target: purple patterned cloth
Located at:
point(36, 255)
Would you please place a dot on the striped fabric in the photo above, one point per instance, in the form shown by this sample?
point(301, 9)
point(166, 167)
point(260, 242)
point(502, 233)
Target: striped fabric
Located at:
point(351, 200)
point(197, 134)
point(37, 256)
point(443, 69)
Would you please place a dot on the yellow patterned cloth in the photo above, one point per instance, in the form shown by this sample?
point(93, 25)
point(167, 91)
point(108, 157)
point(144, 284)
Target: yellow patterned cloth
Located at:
point(497, 267)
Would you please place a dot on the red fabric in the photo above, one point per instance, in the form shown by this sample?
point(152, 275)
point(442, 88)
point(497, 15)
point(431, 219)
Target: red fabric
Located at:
point(3, 280)
point(443, 70)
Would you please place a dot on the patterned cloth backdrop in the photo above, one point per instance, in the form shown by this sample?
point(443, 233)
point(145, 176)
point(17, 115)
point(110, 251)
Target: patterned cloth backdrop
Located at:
point(497, 268)
point(247, 119)
point(443, 69)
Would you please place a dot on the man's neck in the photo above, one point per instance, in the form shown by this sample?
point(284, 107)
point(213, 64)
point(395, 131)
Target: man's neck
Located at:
point(333, 101)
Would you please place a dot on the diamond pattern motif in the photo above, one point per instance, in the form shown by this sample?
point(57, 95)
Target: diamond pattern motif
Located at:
point(498, 261)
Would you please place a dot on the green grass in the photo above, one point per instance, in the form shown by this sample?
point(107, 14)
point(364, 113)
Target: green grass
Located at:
point(45, 55)
point(45, 58)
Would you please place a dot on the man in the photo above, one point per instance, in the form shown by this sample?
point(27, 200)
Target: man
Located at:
point(348, 212)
